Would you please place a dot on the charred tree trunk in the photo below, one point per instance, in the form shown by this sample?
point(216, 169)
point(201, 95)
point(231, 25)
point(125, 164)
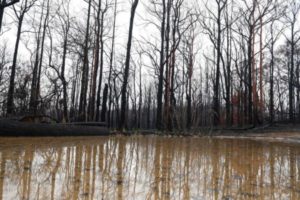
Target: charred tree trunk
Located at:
point(104, 104)
point(127, 65)
point(291, 76)
point(64, 82)
point(101, 67)
point(45, 25)
point(250, 88)
point(85, 71)
point(271, 108)
point(216, 98)
point(111, 67)
point(96, 64)
point(159, 121)
point(10, 97)
point(167, 80)
point(32, 103)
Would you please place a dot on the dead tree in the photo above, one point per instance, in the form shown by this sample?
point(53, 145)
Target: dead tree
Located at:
point(24, 8)
point(127, 65)
point(111, 60)
point(65, 26)
point(292, 18)
point(85, 70)
point(3, 5)
point(104, 104)
point(159, 121)
point(36, 77)
point(101, 62)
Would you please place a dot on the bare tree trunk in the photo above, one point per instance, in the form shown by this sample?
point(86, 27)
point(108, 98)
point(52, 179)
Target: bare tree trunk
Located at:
point(272, 77)
point(111, 60)
point(41, 55)
point(216, 98)
point(250, 81)
point(101, 66)
point(64, 82)
point(140, 99)
point(10, 97)
point(159, 121)
point(167, 80)
point(261, 100)
point(85, 71)
point(104, 104)
point(127, 65)
point(291, 77)
point(32, 104)
point(96, 64)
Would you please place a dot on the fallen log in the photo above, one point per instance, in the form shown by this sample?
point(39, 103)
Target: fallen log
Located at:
point(10, 128)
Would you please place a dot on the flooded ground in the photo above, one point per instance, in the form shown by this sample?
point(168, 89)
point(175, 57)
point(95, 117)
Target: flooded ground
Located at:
point(148, 168)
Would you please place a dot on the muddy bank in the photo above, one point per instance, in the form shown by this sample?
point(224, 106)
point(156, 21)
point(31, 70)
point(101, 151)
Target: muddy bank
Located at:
point(278, 132)
point(10, 128)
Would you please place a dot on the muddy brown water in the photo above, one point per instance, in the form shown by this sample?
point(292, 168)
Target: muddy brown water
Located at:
point(148, 167)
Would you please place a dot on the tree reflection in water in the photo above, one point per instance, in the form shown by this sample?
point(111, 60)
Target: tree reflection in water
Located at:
point(149, 167)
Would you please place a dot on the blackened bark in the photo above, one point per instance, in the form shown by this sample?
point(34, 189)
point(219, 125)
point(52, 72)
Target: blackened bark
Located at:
point(37, 94)
point(85, 71)
point(64, 82)
point(250, 88)
point(167, 79)
point(10, 97)
point(149, 109)
point(101, 68)
point(159, 121)
point(96, 64)
point(104, 104)
point(111, 67)
point(291, 76)
point(272, 78)
point(127, 65)
point(216, 100)
point(32, 103)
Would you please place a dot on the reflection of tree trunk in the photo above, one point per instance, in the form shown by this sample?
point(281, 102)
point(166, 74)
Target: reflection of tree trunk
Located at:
point(186, 187)
point(77, 178)
point(26, 176)
point(121, 153)
point(272, 174)
point(87, 172)
point(226, 173)
point(292, 174)
point(94, 171)
point(53, 174)
point(137, 163)
point(67, 170)
point(157, 169)
point(215, 168)
point(2, 174)
point(166, 172)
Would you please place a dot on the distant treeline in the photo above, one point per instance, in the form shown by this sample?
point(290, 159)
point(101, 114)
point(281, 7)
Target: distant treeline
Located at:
point(185, 64)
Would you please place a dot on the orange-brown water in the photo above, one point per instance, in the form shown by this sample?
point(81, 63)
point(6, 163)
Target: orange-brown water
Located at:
point(149, 167)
